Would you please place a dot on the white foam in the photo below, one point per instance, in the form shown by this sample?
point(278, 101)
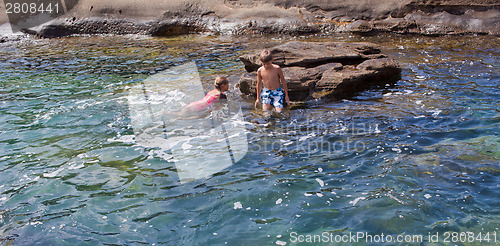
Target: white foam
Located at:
point(435, 112)
point(280, 243)
point(238, 205)
point(53, 174)
point(186, 147)
point(77, 166)
point(123, 139)
point(420, 77)
point(357, 200)
point(321, 182)
point(303, 138)
point(395, 198)
point(397, 150)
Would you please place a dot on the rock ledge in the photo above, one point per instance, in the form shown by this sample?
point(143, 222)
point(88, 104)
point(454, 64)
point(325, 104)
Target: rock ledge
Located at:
point(316, 70)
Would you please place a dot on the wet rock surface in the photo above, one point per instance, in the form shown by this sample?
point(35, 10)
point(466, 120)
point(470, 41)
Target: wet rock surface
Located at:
point(316, 70)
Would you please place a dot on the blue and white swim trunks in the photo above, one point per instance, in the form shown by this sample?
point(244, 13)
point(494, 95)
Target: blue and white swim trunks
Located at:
point(273, 97)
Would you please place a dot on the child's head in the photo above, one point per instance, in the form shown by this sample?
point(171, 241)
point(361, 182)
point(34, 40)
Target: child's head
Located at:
point(221, 83)
point(266, 56)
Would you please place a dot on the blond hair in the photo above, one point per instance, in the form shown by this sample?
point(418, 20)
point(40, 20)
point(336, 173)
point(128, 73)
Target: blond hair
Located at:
point(219, 81)
point(266, 56)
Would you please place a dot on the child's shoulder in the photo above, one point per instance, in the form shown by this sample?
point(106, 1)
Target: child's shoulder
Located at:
point(276, 66)
point(214, 92)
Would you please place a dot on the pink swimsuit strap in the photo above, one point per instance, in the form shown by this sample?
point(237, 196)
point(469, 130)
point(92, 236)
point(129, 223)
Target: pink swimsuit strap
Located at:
point(210, 99)
point(203, 104)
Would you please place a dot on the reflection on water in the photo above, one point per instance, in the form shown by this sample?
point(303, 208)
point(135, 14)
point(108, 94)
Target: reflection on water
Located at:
point(419, 157)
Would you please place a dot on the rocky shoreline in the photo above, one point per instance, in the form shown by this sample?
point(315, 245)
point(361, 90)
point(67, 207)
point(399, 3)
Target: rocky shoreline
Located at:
point(292, 17)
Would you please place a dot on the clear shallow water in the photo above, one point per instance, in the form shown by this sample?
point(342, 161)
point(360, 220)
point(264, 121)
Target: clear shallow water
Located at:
point(416, 158)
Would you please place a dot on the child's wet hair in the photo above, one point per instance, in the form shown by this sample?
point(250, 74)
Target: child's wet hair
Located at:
point(219, 81)
point(266, 56)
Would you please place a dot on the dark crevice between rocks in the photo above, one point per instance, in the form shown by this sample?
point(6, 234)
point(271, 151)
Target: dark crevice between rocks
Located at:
point(173, 29)
point(351, 90)
point(52, 31)
point(347, 61)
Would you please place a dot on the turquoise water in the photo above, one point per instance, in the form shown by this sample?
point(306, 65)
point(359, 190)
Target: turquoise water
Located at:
point(416, 158)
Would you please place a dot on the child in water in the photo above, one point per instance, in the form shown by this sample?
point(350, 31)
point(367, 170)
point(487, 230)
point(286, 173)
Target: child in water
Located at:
point(272, 76)
point(221, 85)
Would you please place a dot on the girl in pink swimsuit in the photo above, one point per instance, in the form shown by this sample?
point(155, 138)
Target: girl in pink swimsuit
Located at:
point(221, 84)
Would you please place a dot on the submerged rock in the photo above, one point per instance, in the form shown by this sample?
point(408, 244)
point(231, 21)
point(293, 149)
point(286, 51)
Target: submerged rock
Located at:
point(315, 70)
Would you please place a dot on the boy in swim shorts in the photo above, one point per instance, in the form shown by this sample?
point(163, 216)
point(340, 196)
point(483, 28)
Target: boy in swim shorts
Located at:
point(275, 91)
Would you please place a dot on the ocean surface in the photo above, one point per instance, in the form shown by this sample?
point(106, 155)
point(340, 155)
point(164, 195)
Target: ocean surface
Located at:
point(414, 163)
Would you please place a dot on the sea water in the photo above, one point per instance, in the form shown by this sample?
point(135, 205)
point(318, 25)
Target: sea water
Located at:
point(397, 164)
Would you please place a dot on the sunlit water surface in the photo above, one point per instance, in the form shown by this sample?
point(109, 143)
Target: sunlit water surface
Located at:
point(418, 157)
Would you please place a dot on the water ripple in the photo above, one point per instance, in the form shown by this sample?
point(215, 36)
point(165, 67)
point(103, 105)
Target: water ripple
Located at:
point(423, 153)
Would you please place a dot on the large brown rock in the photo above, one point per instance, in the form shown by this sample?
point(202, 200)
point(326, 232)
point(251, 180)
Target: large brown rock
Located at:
point(310, 54)
point(314, 70)
point(301, 81)
point(354, 79)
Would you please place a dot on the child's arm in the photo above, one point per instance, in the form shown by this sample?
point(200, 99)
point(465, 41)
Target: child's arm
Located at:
point(284, 84)
point(259, 87)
